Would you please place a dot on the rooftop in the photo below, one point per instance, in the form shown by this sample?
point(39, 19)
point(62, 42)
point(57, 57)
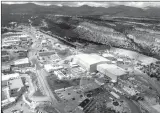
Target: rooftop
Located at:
point(21, 61)
point(7, 77)
point(91, 58)
point(113, 69)
point(115, 94)
point(11, 40)
point(107, 55)
point(6, 45)
point(50, 67)
point(44, 41)
point(23, 36)
point(15, 83)
point(120, 60)
point(5, 67)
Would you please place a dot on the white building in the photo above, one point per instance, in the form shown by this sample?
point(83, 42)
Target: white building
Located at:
point(11, 41)
point(120, 60)
point(44, 42)
point(115, 95)
point(72, 64)
point(111, 70)
point(24, 36)
point(15, 86)
point(22, 62)
point(49, 67)
point(109, 56)
point(9, 76)
point(60, 75)
point(6, 45)
point(89, 61)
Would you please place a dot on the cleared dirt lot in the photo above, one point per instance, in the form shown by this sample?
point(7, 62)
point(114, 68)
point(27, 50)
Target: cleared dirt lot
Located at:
point(54, 83)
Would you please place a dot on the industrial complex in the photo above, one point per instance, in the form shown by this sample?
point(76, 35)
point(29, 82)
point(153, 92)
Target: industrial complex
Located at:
point(41, 73)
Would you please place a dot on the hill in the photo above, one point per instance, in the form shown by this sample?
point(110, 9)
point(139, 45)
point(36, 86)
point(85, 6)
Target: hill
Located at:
point(120, 10)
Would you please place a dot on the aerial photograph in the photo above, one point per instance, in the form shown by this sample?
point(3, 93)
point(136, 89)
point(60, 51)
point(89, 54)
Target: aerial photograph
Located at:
point(80, 57)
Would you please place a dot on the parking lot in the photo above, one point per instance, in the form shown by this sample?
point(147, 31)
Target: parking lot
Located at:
point(19, 106)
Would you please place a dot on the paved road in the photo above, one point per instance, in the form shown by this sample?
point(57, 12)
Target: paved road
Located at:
point(152, 82)
point(19, 106)
point(42, 74)
point(134, 108)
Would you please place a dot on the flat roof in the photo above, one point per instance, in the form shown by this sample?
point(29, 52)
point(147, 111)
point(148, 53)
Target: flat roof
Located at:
point(6, 45)
point(4, 67)
point(7, 77)
point(48, 67)
point(113, 69)
point(115, 94)
point(43, 41)
point(91, 58)
point(24, 35)
point(107, 55)
point(21, 61)
point(11, 40)
point(15, 83)
point(120, 59)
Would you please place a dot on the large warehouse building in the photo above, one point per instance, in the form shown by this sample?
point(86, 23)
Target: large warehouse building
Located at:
point(90, 61)
point(111, 70)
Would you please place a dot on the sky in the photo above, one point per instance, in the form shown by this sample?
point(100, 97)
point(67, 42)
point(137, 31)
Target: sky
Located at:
point(94, 4)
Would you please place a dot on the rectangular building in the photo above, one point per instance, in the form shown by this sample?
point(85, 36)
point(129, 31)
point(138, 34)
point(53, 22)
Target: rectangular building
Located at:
point(15, 86)
point(12, 41)
point(6, 46)
point(22, 62)
point(6, 69)
point(90, 61)
point(60, 75)
point(10, 76)
point(115, 95)
point(109, 56)
point(111, 70)
point(49, 67)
